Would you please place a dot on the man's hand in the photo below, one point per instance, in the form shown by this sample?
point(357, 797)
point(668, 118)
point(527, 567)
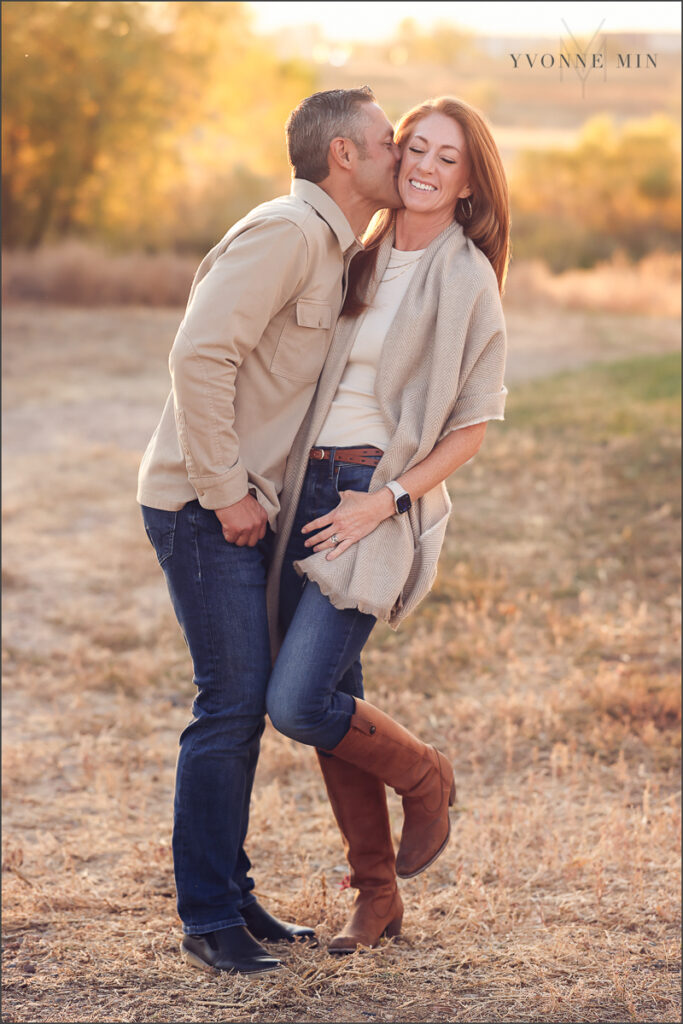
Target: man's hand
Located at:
point(243, 523)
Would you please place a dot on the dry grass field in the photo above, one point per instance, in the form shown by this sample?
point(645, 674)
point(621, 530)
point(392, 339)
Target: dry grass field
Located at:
point(545, 663)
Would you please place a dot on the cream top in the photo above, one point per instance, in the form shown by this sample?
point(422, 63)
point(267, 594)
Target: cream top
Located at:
point(355, 417)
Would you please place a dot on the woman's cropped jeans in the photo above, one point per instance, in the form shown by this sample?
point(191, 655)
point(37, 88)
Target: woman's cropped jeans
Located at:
point(218, 593)
point(318, 671)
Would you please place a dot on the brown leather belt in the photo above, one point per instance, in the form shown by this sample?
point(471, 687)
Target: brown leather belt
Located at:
point(359, 456)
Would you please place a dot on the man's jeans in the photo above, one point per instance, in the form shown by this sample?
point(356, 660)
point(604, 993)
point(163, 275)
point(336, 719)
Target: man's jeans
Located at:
point(318, 670)
point(218, 593)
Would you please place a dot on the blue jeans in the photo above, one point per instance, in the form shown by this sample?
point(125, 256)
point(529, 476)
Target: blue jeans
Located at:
point(218, 594)
point(318, 672)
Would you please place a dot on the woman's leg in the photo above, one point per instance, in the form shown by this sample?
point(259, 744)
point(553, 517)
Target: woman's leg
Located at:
point(305, 702)
point(357, 798)
point(321, 494)
point(420, 774)
point(359, 802)
point(321, 645)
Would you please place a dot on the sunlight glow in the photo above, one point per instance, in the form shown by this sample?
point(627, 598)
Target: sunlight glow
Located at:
point(372, 22)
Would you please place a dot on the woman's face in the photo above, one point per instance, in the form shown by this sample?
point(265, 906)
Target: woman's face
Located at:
point(435, 168)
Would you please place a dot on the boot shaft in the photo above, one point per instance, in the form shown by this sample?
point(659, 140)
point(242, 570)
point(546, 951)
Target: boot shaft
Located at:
point(359, 804)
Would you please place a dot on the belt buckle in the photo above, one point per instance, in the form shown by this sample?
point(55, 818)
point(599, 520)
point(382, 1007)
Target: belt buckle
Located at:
point(317, 453)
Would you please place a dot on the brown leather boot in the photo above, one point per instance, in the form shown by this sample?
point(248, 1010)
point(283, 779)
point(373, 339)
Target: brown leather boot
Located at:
point(359, 803)
point(420, 775)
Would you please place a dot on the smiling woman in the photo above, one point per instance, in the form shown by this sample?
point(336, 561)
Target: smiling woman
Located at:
point(403, 401)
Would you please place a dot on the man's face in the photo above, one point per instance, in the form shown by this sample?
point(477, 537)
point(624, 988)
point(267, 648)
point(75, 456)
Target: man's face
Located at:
point(376, 168)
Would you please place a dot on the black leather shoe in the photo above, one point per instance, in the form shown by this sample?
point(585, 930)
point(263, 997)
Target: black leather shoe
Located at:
point(228, 949)
point(264, 926)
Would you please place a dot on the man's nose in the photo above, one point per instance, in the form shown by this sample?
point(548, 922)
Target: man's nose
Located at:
point(397, 153)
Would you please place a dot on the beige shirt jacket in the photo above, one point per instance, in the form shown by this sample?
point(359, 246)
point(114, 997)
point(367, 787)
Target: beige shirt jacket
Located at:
point(248, 354)
point(441, 369)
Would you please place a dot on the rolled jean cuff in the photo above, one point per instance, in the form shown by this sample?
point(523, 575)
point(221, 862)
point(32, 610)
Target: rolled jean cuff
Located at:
point(213, 926)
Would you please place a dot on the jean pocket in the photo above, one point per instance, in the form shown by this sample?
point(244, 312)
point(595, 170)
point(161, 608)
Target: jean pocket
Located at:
point(352, 477)
point(160, 528)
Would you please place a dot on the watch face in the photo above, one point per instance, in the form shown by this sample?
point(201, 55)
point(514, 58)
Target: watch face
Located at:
point(403, 503)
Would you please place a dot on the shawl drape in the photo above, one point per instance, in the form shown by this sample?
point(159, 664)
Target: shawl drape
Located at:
point(441, 369)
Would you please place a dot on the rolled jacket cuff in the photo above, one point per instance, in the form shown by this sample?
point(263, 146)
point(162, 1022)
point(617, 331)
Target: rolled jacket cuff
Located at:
point(219, 492)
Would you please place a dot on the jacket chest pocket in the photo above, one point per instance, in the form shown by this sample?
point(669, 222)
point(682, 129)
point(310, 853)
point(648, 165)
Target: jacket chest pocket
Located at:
point(303, 342)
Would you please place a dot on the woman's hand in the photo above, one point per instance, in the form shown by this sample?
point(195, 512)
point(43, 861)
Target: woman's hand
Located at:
point(356, 515)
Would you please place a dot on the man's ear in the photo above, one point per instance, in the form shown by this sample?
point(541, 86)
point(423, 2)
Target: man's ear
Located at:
point(342, 152)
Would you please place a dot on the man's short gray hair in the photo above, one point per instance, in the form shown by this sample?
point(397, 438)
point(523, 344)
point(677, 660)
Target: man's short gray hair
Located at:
point(317, 120)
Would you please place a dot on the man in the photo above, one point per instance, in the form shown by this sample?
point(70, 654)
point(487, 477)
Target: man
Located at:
point(244, 367)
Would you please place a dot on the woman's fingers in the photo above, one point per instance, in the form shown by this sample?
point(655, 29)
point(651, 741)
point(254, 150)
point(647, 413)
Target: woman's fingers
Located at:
point(317, 524)
point(339, 549)
point(326, 545)
point(321, 537)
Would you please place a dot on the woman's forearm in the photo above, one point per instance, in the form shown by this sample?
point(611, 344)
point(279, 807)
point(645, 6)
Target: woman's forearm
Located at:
point(454, 451)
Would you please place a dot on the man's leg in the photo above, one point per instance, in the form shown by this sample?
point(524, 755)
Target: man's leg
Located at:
point(242, 875)
point(218, 593)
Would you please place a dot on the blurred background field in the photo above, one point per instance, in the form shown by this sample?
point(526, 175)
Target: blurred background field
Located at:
point(546, 660)
point(153, 126)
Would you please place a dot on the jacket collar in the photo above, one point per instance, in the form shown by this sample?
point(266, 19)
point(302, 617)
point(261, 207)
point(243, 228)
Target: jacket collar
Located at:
point(328, 210)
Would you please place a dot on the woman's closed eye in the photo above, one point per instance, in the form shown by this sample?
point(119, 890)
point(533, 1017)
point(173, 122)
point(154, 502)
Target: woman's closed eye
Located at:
point(446, 160)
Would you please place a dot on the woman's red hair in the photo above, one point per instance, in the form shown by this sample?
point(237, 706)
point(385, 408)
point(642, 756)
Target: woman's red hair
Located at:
point(489, 223)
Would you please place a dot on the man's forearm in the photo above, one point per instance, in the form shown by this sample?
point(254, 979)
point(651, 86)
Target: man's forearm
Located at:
point(203, 393)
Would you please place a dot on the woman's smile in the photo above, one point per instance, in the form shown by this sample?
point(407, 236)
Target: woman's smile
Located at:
point(421, 186)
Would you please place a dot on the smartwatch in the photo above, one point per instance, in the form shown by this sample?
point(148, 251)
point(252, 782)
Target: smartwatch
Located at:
point(402, 500)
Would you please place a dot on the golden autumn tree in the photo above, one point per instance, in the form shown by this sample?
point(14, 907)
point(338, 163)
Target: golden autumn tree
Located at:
point(143, 124)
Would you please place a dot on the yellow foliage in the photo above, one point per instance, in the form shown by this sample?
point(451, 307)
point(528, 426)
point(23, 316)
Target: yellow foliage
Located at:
point(116, 114)
point(619, 188)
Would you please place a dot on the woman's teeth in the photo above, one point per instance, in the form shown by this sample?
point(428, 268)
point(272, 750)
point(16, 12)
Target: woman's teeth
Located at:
point(422, 187)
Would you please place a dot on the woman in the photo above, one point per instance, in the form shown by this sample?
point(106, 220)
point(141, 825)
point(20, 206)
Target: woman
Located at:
point(414, 374)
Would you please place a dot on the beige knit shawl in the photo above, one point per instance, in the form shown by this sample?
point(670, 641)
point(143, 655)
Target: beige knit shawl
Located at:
point(441, 368)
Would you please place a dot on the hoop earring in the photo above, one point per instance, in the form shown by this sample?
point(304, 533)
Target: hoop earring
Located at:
point(467, 214)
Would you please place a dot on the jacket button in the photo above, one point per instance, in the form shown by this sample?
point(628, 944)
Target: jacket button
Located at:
point(372, 730)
